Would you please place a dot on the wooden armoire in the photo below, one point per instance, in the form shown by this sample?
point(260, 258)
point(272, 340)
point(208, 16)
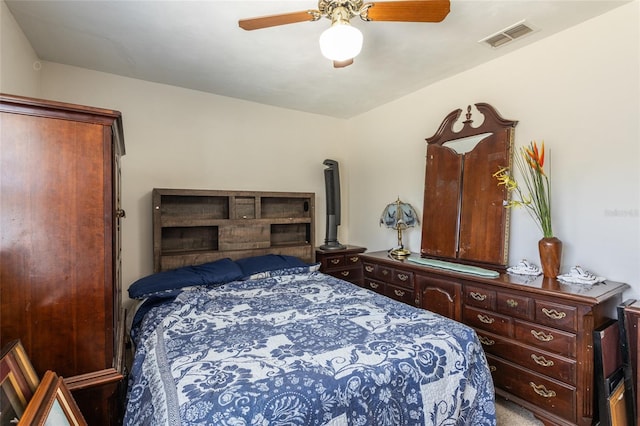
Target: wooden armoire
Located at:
point(60, 290)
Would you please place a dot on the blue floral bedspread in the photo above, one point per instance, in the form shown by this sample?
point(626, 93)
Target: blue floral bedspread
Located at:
point(304, 349)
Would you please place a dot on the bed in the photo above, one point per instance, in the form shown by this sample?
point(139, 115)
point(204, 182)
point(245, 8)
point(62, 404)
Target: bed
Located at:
point(270, 340)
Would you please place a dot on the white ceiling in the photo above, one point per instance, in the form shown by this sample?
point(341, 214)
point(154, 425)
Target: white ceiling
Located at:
point(198, 45)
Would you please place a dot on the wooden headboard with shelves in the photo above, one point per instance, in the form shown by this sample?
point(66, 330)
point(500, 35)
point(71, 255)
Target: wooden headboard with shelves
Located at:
point(194, 226)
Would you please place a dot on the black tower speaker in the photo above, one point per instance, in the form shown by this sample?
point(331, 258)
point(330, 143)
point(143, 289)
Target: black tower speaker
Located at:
point(332, 186)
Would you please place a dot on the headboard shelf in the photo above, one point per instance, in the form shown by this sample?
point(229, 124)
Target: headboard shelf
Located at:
point(192, 226)
point(187, 222)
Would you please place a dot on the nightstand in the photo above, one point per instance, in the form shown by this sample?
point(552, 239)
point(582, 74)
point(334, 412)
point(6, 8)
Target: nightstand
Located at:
point(343, 263)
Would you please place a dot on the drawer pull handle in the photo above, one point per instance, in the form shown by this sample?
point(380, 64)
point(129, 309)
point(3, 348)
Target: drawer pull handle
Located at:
point(486, 341)
point(373, 285)
point(477, 296)
point(553, 314)
point(512, 303)
point(335, 261)
point(399, 293)
point(540, 360)
point(541, 336)
point(385, 272)
point(485, 319)
point(542, 391)
point(492, 368)
point(368, 268)
point(403, 277)
point(344, 273)
point(354, 259)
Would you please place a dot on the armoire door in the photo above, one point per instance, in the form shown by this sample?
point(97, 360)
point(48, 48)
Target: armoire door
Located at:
point(59, 285)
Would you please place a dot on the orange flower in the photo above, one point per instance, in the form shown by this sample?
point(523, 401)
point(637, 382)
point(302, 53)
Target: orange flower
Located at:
point(535, 158)
point(537, 199)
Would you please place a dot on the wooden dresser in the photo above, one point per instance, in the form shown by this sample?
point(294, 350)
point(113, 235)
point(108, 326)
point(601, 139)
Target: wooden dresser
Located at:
point(537, 332)
point(343, 263)
point(60, 245)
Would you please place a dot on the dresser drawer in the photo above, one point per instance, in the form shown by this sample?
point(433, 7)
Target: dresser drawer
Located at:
point(333, 262)
point(556, 315)
point(369, 269)
point(352, 259)
point(402, 278)
point(555, 366)
point(339, 261)
point(551, 365)
point(479, 297)
point(399, 293)
point(485, 320)
point(515, 305)
point(556, 397)
point(352, 274)
point(374, 285)
point(386, 274)
point(550, 339)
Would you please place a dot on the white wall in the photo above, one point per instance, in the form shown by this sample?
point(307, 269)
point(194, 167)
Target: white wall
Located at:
point(579, 91)
point(178, 138)
point(19, 64)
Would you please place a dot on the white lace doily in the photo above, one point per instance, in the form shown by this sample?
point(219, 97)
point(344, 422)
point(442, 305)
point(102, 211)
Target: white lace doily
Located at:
point(579, 275)
point(524, 268)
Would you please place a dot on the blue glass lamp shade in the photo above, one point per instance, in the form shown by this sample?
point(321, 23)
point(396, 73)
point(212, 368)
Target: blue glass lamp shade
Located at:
point(399, 216)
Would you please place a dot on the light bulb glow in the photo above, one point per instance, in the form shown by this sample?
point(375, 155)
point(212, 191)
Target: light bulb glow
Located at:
point(341, 42)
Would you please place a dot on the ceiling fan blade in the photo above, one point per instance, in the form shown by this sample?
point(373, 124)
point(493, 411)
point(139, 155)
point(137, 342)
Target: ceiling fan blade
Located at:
point(275, 20)
point(409, 11)
point(342, 64)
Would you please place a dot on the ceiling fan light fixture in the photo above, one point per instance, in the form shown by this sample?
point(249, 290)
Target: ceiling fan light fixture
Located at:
point(341, 41)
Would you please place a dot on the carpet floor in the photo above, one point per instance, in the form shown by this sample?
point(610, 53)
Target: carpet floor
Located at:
point(510, 414)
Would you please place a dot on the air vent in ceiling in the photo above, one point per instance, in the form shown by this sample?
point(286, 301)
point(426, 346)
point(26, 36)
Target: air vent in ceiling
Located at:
point(508, 34)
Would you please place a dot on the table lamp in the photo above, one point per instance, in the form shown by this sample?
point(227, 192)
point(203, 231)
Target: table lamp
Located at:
point(399, 216)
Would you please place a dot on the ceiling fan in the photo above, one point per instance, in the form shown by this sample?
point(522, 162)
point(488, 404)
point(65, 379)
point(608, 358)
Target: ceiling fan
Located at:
point(342, 42)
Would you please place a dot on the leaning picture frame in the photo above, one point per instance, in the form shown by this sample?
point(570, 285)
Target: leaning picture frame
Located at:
point(18, 382)
point(52, 405)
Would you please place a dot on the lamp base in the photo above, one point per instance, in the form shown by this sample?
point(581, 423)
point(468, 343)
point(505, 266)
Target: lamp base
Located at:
point(400, 252)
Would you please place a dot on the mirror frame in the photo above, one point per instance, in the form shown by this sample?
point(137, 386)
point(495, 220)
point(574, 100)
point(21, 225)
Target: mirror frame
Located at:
point(464, 218)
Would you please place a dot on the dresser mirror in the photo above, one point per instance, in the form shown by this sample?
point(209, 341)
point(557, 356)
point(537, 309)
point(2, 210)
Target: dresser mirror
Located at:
point(464, 219)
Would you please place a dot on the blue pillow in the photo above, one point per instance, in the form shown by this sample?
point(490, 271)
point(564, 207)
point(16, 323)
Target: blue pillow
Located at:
point(167, 282)
point(269, 262)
